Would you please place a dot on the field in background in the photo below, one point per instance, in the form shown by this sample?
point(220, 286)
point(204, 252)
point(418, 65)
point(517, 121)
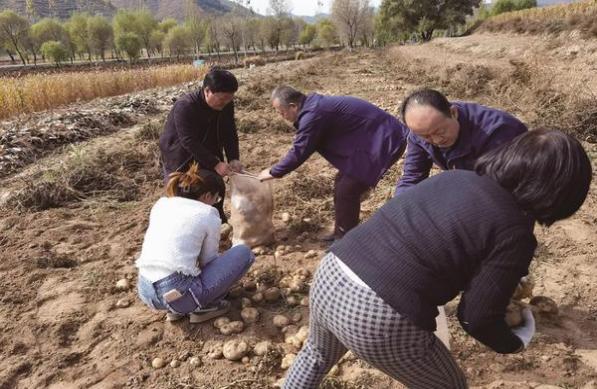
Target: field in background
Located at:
point(580, 16)
point(45, 91)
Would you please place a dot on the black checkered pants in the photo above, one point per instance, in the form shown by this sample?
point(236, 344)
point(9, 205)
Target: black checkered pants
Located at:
point(346, 316)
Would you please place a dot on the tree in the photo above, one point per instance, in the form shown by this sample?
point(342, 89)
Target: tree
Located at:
point(78, 31)
point(271, 31)
point(197, 29)
point(367, 31)
point(251, 32)
point(279, 8)
point(14, 30)
point(213, 37)
point(55, 51)
point(157, 42)
point(502, 6)
point(397, 17)
point(178, 41)
point(326, 33)
point(308, 34)
point(231, 31)
point(130, 43)
point(166, 24)
point(145, 25)
point(101, 35)
point(289, 31)
point(350, 17)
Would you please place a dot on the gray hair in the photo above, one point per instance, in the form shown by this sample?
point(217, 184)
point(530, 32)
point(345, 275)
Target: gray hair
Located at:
point(287, 95)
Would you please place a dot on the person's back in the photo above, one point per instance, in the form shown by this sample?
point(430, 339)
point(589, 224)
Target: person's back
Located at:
point(430, 241)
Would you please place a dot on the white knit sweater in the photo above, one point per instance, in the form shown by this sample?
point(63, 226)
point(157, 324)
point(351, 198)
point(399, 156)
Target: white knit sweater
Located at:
point(183, 236)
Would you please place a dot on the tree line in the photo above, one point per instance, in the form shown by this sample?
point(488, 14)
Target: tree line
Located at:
point(133, 33)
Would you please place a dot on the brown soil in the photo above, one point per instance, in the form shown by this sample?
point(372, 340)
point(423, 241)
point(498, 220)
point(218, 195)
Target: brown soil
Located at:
point(60, 264)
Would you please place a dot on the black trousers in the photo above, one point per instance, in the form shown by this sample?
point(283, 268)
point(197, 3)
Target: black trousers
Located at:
point(347, 203)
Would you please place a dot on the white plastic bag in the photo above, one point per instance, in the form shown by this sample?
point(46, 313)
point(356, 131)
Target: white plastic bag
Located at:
point(252, 211)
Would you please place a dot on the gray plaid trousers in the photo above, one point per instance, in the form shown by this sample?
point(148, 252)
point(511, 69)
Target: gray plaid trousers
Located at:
point(346, 316)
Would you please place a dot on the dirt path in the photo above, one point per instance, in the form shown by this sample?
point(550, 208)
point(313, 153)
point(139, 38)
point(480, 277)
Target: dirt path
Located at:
point(67, 325)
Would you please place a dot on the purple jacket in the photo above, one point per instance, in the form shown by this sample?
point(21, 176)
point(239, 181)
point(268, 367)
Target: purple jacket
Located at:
point(481, 129)
point(356, 137)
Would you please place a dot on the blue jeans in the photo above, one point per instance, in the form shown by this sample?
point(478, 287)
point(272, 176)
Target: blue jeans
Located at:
point(216, 278)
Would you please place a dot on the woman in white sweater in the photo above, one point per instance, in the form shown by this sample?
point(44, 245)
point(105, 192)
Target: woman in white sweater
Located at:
point(180, 269)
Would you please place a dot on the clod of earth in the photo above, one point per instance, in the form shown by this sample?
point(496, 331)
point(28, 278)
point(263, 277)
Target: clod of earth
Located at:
point(543, 304)
point(235, 349)
point(122, 303)
point(245, 302)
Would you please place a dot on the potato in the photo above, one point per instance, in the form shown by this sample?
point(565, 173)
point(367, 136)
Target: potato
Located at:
point(221, 321)
point(235, 349)
point(158, 363)
point(281, 321)
point(245, 302)
point(524, 289)
point(234, 327)
point(262, 348)
point(514, 314)
point(272, 294)
point(257, 297)
point(287, 361)
point(174, 363)
point(250, 315)
point(286, 217)
point(302, 334)
point(122, 284)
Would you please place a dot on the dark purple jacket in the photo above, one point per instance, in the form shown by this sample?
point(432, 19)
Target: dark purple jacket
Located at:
point(356, 137)
point(195, 132)
point(481, 129)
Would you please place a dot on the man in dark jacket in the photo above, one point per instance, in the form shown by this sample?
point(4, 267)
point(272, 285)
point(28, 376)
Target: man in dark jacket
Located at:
point(201, 127)
point(359, 139)
point(451, 135)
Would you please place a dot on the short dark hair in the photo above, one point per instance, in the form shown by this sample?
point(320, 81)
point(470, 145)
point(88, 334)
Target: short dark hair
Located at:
point(220, 80)
point(428, 97)
point(547, 172)
point(287, 95)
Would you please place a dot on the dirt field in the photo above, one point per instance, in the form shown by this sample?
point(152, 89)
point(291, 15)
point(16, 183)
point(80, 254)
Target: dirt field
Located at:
point(77, 185)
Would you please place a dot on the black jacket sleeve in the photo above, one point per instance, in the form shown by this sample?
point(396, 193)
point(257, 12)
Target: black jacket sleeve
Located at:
point(483, 304)
point(189, 134)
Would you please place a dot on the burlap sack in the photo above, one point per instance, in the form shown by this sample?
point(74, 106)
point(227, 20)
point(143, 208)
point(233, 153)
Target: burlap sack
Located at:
point(252, 211)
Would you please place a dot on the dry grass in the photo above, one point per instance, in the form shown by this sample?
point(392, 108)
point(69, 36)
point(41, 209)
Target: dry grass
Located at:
point(581, 16)
point(123, 172)
point(526, 89)
point(40, 92)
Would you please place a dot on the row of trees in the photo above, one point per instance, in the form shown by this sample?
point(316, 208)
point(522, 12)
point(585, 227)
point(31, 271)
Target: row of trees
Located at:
point(133, 33)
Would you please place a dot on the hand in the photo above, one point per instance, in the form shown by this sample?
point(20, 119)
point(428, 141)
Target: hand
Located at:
point(265, 176)
point(526, 331)
point(236, 166)
point(222, 169)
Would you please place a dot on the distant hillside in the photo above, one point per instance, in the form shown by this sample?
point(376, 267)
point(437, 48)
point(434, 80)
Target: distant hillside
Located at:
point(160, 8)
point(178, 8)
point(313, 19)
point(58, 8)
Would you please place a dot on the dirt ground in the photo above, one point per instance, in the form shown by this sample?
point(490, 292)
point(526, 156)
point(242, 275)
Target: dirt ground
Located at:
point(73, 215)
